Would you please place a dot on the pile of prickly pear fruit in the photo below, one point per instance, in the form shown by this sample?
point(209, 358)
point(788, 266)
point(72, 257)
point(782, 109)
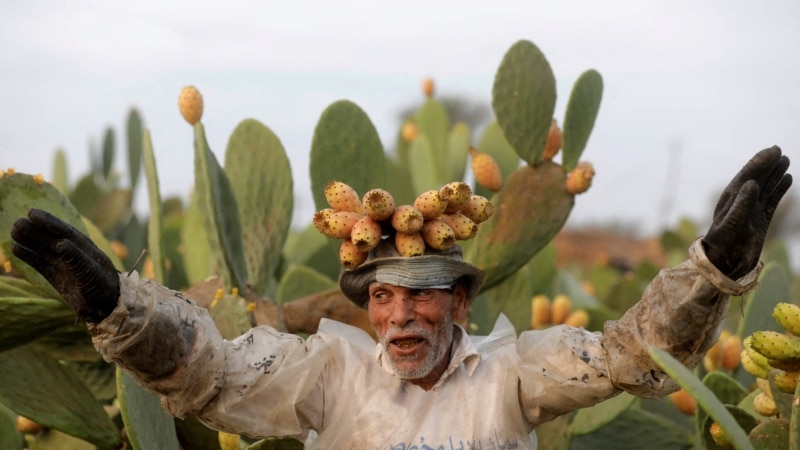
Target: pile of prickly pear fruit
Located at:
point(436, 219)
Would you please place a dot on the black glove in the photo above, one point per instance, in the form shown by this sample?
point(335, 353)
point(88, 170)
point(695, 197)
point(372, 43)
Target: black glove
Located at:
point(743, 213)
point(70, 261)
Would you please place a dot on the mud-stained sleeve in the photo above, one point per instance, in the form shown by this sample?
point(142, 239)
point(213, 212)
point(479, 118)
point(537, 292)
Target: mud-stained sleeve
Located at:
point(681, 312)
point(263, 383)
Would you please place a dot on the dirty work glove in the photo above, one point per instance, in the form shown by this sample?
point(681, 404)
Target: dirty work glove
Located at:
point(70, 261)
point(743, 213)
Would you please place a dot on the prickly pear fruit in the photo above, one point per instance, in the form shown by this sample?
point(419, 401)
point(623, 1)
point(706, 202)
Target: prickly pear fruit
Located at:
point(409, 132)
point(190, 104)
point(578, 319)
point(228, 441)
point(321, 218)
point(775, 345)
point(349, 255)
point(409, 244)
point(553, 144)
point(763, 384)
point(479, 208)
point(427, 87)
point(719, 436)
point(683, 402)
point(487, 172)
point(378, 204)
point(765, 405)
point(561, 309)
point(786, 381)
point(342, 197)
point(580, 179)
point(366, 234)
point(28, 426)
point(712, 360)
point(407, 219)
point(340, 224)
point(731, 352)
point(437, 234)
point(456, 194)
point(430, 204)
point(750, 365)
point(788, 316)
point(540, 312)
point(463, 227)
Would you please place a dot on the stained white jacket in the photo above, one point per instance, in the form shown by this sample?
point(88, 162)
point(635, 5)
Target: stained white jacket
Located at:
point(333, 391)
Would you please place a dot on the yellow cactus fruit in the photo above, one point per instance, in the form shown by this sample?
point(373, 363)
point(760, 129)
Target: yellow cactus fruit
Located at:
point(409, 244)
point(750, 365)
point(378, 204)
point(407, 219)
point(409, 132)
point(463, 227)
point(765, 405)
point(719, 436)
point(427, 87)
point(349, 256)
point(580, 179)
point(340, 224)
point(553, 144)
point(775, 345)
point(788, 316)
point(190, 104)
point(731, 352)
point(119, 249)
point(7, 266)
point(763, 384)
point(540, 312)
point(430, 204)
point(456, 194)
point(683, 402)
point(38, 179)
point(342, 197)
point(28, 426)
point(10, 171)
point(366, 234)
point(437, 234)
point(578, 318)
point(487, 172)
point(228, 441)
point(562, 307)
point(478, 208)
point(786, 381)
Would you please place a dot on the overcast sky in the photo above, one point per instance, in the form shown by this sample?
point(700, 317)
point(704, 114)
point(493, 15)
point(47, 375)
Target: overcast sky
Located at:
point(692, 89)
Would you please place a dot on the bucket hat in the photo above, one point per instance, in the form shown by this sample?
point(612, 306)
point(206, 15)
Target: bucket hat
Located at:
point(434, 269)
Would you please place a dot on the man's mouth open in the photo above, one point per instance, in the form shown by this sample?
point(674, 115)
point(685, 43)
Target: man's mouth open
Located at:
point(407, 345)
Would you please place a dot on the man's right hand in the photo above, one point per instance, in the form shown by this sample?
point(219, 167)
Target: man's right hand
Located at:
point(70, 261)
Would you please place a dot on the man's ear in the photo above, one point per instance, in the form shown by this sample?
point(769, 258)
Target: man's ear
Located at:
point(460, 306)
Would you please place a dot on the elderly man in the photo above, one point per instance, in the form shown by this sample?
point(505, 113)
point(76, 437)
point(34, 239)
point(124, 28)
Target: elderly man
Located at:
point(428, 384)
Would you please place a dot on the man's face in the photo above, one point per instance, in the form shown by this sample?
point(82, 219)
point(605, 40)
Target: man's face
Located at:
point(415, 327)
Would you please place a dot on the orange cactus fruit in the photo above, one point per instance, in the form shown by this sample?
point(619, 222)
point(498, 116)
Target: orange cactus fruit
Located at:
point(437, 234)
point(28, 426)
point(320, 220)
point(349, 256)
point(562, 307)
point(553, 144)
point(407, 219)
point(430, 204)
point(190, 104)
point(342, 197)
point(684, 402)
point(478, 208)
point(366, 234)
point(732, 353)
point(579, 180)
point(119, 249)
point(409, 132)
point(409, 244)
point(540, 312)
point(456, 194)
point(487, 172)
point(719, 436)
point(463, 227)
point(578, 318)
point(428, 87)
point(340, 224)
point(378, 204)
point(38, 179)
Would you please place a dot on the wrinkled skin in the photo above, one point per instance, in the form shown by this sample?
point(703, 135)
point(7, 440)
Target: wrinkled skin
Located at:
point(70, 261)
point(735, 239)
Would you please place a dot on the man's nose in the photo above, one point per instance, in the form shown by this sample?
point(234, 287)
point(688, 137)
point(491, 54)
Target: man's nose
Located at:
point(402, 311)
